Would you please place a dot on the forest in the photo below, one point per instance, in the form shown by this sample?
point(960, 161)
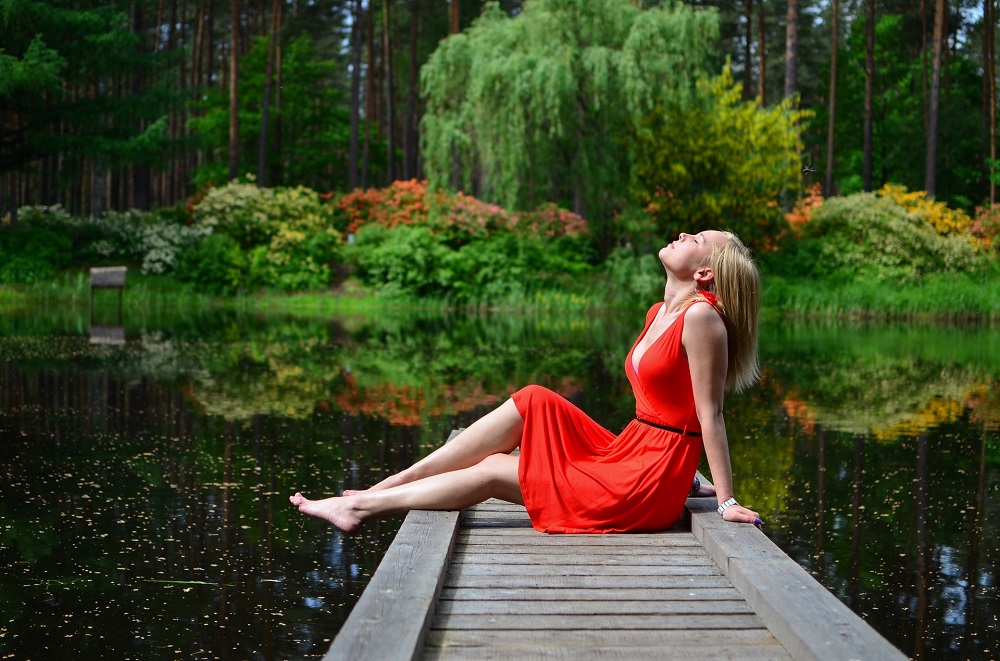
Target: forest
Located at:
point(643, 118)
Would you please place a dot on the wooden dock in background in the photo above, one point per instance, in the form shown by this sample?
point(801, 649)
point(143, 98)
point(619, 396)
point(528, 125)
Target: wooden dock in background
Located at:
point(482, 584)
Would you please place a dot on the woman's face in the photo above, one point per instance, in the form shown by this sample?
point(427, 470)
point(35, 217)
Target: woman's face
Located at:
point(690, 252)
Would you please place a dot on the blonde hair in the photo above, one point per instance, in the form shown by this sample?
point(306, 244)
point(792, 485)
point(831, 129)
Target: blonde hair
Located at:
point(737, 287)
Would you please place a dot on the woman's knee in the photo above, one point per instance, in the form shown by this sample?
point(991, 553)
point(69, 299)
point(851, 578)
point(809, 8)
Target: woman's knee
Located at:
point(500, 472)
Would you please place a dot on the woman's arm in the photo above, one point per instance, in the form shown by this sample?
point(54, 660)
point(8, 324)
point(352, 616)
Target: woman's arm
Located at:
point(704, 340)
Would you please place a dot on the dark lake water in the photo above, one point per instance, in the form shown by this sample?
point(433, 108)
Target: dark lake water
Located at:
point(144, 483)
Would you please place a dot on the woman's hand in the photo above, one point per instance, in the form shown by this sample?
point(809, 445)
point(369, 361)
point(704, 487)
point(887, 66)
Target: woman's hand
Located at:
point(740, 514)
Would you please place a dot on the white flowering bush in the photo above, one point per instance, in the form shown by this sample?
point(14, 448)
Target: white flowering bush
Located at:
point(149, 239)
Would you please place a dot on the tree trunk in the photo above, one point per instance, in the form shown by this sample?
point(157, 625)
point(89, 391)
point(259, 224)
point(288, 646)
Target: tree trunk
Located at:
point(356, 35)
point(455, 24)
point(410, 140)
point(277, 165)
point(792, 49)
point(199, 46)
point(923, 59)
point(369, 94)
point(869, 112)
point(265, 108)
point(985, 169)
point(139, 180)
point(761, 56)
point(390, 133)
point(831, 124)
point(930, 173)
point(993, 98)
point(234, 93)
point(747, 54)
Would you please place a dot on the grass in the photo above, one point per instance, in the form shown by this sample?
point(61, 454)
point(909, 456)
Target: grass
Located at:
point(941, 297)
point(938, 297)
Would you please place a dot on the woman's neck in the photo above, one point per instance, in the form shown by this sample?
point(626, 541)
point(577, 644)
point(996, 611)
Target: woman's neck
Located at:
point(676, 294)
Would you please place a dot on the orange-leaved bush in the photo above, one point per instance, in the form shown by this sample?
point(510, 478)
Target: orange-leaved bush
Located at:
point(459, 217)
point(802, 212)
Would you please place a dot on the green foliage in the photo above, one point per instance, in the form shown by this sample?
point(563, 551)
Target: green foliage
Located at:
point(287, 233)
point(899, 113)
point(147, 238)
point(634, 277)
point(718, 162)
point(405, 260)
point(543, 106)
point(215, 265)
point(32, 254)
point(415, 261)
point(62, 69)
point(314, 124)
point(863, 236)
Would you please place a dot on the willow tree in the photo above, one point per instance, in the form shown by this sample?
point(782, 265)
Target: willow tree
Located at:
point(544, 106)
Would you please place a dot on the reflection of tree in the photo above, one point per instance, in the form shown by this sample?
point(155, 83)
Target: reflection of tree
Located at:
point(888, 382)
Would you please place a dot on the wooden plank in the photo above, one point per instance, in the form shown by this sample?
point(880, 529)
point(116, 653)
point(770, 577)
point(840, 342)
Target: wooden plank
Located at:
point(583, 559)
point(573, 582)
point(507, 553)
point(583, 640)
point(602, 622)
point(516, 538)
point(556, 570)
point(588, 607)
point(654, 651)
point(599, 594)
point(804, 616)
point(108, 277)
point(391, 619)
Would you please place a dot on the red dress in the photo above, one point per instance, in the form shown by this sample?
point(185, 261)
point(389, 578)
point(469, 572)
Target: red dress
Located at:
point(578, 477)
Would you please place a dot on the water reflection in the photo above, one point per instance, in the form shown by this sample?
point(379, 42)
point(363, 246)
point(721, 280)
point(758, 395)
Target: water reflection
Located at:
point(143, 486)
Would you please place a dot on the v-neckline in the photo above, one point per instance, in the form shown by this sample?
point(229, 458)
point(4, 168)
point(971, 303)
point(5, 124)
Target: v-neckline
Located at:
point(635, 362)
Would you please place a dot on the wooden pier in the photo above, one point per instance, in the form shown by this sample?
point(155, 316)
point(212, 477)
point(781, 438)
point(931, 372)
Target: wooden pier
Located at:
point(482, 584)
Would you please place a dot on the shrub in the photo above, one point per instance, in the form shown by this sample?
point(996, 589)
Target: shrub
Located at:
point(458, 217)
point(401, 203)
point(215, 265)
point(985, 228)
point(803, 209)
point(945, 221)
point(416, 261)
point(719, 162)
point(869, 236)
point(407, 260)
point(31, 254)
point(633, 276)
point(151, 240)
point(288, 234)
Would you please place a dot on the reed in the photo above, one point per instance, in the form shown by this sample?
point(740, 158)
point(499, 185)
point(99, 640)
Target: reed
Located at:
point(940, 297)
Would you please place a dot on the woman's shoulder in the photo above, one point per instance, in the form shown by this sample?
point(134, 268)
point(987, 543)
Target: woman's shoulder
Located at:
point(703, 316)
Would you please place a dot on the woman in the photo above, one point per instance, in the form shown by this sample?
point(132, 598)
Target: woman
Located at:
point(572, 474)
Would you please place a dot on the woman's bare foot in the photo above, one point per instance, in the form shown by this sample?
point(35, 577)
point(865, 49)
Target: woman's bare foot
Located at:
point(338, 511)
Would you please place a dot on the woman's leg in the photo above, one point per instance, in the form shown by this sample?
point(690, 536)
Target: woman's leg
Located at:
point(493, 477)
point(499, 431)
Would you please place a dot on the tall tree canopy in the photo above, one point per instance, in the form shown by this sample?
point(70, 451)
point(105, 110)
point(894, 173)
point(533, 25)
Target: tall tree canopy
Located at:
point(571, 101)
point(541, 106)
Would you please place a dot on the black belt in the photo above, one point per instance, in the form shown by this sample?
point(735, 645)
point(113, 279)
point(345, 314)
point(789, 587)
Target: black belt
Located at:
point(669, 428)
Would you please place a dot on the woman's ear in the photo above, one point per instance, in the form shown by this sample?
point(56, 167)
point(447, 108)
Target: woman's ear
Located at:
point(704, 276)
